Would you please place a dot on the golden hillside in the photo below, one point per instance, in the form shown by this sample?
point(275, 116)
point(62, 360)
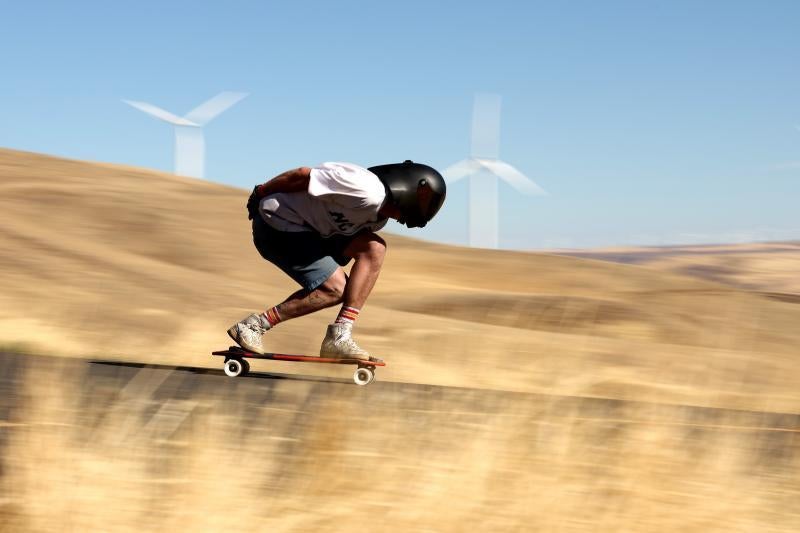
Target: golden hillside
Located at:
point(584, 395)
point(102, 260)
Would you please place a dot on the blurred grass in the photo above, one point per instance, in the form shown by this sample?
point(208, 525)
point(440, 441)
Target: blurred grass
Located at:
point(106, 447)
point(19, 348)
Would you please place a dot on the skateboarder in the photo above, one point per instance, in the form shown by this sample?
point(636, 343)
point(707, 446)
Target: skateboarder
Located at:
point(310, 222)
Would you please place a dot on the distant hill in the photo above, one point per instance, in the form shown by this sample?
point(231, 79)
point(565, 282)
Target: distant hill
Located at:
point(770, 268)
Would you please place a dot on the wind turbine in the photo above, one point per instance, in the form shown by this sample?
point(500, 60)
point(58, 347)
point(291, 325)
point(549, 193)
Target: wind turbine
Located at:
point(190, 145)
point(483, 168)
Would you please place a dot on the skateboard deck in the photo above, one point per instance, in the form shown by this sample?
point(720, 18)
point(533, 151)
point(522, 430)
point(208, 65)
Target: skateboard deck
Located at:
point(236, 362)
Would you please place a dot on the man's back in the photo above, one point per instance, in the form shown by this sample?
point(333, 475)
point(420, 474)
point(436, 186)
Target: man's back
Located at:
point(342, 198)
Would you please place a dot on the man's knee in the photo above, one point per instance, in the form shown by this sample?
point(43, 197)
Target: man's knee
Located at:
point(369, 246)
point(377, 246)
point(333, 288)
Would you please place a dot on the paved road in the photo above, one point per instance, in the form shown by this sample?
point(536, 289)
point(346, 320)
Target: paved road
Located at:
point(98, 386)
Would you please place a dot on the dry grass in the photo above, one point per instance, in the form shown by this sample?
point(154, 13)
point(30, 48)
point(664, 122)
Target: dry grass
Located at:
point(101, 449)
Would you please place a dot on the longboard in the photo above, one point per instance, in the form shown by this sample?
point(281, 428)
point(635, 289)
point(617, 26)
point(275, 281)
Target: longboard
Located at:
point(236, 363)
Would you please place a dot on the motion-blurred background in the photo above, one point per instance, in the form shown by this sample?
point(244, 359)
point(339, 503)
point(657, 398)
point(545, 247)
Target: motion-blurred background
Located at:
point(625, 360)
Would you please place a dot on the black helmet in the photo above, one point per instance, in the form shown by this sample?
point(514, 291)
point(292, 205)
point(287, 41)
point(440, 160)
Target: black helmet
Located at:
point(417, 190)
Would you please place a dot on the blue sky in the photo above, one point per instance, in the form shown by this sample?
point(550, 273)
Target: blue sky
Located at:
point(648, 122)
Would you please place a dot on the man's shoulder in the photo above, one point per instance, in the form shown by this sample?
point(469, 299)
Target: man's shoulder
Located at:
point(343, 168)
point(350, 177)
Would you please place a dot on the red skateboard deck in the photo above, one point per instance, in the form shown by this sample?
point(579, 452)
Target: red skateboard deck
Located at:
point(236, 363)
point(236, 352)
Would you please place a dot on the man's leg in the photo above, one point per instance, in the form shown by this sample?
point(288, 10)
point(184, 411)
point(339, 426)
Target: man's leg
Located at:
point(368, 251)
point(304, 302)
point(247, 333)
point(305, 258)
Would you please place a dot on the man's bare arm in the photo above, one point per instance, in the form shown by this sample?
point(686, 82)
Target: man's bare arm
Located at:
point(295, 180)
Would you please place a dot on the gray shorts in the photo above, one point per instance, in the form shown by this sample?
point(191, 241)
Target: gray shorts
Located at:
point(307, 257)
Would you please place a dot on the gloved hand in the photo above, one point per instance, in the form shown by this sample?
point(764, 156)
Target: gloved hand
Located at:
point(253, 203)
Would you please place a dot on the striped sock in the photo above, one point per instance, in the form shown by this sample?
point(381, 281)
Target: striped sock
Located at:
point(272, 316)
point(347, 315)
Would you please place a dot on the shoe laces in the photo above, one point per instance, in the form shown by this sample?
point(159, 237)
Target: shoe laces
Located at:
point(255, 326)
point(350, 343)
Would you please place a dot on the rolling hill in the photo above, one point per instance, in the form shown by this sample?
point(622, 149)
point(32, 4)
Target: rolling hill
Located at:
point(102, 260)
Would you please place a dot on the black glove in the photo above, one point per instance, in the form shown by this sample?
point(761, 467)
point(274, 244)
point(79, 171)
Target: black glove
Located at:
point(253, 203)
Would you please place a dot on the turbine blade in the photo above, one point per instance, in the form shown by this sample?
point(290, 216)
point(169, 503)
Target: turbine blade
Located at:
point(462, 169)
point(511, 175)
point(486, 126)
point(209, 109)
point(159, 113)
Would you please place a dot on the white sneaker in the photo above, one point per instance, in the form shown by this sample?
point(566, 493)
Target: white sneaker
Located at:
point(339, 344)
point(248, 331)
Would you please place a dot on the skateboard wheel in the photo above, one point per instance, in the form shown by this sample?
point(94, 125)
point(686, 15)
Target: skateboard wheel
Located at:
point(363, 376)
point(246, 365)
point(233, 367)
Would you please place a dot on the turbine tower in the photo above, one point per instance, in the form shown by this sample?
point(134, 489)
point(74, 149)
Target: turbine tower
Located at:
point(190, 145)
point(483, 168)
